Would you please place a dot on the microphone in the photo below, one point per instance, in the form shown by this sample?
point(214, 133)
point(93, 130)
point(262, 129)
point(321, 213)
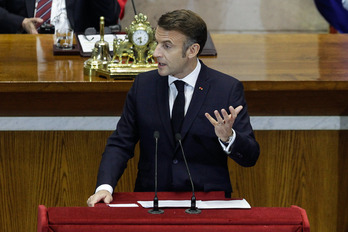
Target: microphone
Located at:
point(155, 209)
point(193, 209)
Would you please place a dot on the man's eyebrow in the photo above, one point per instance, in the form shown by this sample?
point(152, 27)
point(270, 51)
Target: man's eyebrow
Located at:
point(164, 41)
point(167, 41)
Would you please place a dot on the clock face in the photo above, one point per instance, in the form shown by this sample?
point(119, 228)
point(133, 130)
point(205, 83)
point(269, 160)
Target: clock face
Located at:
point(140, 38)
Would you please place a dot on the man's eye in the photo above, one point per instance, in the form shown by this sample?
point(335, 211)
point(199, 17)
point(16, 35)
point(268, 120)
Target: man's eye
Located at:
point(166, 46)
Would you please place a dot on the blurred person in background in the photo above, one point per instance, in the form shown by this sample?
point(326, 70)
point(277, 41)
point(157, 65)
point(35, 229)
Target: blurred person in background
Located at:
point(335, 13)
point(21, 16)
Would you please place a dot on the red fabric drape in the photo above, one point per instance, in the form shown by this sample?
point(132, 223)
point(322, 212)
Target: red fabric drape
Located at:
point(122, 5)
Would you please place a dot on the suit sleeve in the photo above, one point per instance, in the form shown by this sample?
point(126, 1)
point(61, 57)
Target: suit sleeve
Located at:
point(120, 145)
point(10, 23)
point(245, 149)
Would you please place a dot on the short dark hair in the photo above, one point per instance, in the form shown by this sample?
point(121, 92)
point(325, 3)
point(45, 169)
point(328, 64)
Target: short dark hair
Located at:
point(188, 23)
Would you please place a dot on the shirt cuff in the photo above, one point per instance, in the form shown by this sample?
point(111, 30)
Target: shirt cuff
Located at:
point(105, 187)
point(226, 146)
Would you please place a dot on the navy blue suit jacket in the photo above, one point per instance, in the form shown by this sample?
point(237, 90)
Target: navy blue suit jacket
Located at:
point(81, 13)
point(147, 110)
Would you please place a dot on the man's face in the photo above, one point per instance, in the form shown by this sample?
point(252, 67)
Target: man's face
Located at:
point(169, 53)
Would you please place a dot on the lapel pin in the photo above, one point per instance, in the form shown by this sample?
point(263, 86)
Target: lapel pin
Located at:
point(200, 88)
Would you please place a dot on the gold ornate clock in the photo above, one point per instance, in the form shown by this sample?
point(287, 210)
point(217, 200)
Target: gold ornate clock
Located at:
point(140, 34)
point(140, 38)
point(132, 53)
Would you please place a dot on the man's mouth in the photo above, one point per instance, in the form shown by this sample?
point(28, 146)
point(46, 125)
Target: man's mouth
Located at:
point(161, 64)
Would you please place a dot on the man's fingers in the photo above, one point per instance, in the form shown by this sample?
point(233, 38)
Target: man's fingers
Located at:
point(210, 118)
point(224, 117)
point(219, 119)
point(38, 20)
point(93, 200)
point(225, 114)
point(89, 201)
point(108, 199)
point(235, 111)
point(29, 24)
point(239, 109)
point(102, 195)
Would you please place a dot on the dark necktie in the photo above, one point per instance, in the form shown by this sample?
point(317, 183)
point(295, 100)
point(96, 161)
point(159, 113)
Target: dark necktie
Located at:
point(178, 111)
point(43, 10)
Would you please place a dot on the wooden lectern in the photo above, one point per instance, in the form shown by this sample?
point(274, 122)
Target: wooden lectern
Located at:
point(104, 218)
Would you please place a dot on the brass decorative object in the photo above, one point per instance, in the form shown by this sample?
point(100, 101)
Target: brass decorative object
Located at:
point(131, 56)
point(93, 64)
point(100, 54)
point(103, 53)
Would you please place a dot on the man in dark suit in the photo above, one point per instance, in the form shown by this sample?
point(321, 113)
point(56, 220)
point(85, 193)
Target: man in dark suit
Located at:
point(207, 141)
point(17, 16)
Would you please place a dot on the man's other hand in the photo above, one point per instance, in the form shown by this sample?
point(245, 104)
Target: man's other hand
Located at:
point(29, 25)
point(102, 195)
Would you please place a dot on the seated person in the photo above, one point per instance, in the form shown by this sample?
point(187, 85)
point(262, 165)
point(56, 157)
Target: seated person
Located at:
point(18, 16)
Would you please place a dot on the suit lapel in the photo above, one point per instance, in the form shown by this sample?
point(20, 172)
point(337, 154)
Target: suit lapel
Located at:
point(198, 98)
point(30, 7)
point(163, 105)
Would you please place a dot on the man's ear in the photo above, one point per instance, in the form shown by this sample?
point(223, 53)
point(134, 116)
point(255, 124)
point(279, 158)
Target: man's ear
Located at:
point(193, 50)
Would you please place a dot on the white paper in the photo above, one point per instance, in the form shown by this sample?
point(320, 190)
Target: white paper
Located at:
point(166, 203)
point(87, 42)
point(226, 204)
point(123, 205)
point(221, 204)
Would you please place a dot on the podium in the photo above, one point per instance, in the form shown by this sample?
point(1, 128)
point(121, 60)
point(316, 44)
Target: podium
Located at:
point(104, 218)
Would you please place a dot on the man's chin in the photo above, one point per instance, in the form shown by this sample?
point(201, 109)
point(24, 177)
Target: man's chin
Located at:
point(162, 72)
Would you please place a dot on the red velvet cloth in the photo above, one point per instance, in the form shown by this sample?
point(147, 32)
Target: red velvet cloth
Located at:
point(306, 227)
point(42, 219)
point(104, 218)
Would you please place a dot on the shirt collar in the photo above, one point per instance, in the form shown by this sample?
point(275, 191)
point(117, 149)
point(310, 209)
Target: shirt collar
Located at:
point(190, 79)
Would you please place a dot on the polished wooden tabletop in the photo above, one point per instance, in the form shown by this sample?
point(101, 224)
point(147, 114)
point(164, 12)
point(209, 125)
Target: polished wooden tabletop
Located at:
point(248, 57)
point(263, 62)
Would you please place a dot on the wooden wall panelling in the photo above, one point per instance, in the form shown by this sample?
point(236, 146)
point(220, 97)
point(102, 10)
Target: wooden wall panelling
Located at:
point(304, 168)
point(342, 199)
point(59, 168)
point(45, 167)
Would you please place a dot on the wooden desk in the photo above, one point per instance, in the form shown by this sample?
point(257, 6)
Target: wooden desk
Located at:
point(298, 74)
point(282, 74)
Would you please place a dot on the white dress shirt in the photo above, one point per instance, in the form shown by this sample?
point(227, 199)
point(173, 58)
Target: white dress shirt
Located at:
point(190, 82)
point(345, 4)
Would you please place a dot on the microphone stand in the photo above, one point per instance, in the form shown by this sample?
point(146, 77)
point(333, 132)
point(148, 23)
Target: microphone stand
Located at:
point(135, 11)
point(193, 209)
point(155, 209)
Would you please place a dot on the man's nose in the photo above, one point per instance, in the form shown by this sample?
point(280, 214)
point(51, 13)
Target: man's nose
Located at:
point(157, 53)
